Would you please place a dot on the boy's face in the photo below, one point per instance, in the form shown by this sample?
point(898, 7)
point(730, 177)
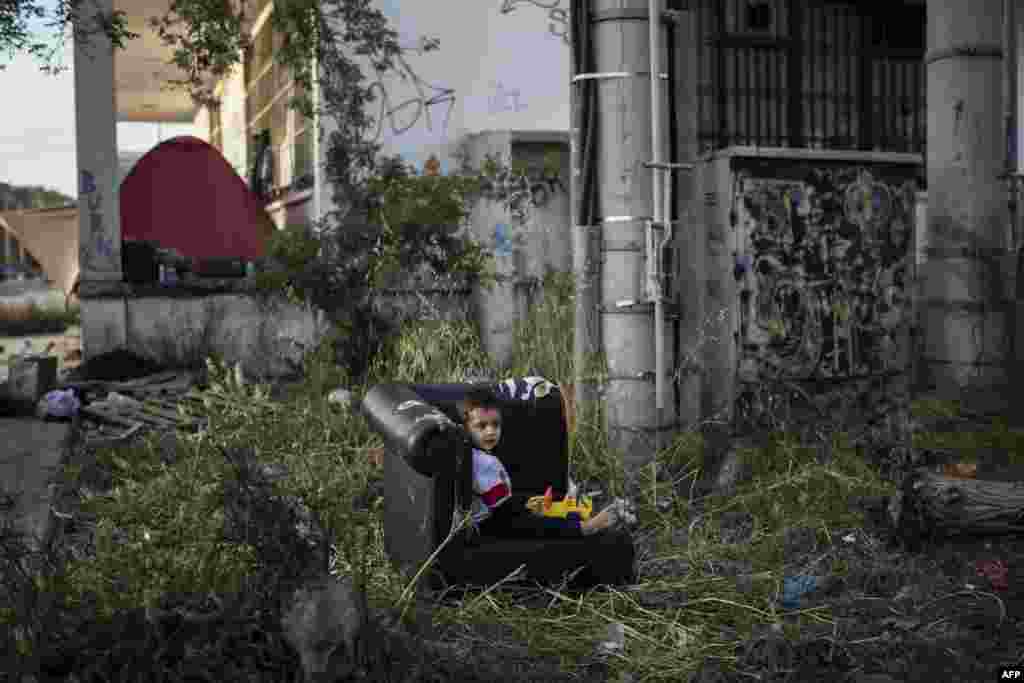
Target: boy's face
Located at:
point(484, 425)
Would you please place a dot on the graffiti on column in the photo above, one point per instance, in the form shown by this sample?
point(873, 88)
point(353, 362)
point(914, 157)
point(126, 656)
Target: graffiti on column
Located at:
point(822, 268)
point(96, 249)
point(558, 17)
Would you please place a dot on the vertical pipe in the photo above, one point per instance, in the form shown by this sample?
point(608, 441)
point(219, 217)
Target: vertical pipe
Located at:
point(690, 235)
point(719, 77)
point(1009, 101)
point(836, 87)
point(660, 220)
point(794, 112)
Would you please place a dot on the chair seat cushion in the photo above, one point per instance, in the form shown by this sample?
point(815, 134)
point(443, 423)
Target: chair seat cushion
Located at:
point(607, 558)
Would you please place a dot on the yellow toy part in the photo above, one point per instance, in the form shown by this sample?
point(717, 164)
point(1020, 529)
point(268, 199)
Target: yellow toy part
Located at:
point(546, 506)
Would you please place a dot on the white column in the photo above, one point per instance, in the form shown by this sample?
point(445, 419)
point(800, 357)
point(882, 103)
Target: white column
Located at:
point(96, 142)
point(104, 320)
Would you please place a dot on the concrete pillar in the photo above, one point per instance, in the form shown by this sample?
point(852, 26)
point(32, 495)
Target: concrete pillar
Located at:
point(99, 215)
point(964, 303)
point(625, 203)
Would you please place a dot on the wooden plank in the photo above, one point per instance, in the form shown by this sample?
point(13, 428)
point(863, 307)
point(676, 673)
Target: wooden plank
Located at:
point(178, 386)
point(141, 416)
point(106, 415)
point(149, 380)
point(113, 440)
point(160, 411)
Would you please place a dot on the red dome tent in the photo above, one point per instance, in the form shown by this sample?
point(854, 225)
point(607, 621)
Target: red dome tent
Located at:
point(184, 195)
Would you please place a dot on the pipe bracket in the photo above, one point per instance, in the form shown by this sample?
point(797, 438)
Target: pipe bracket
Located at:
point(629, 14)
point(663, 166)
point(978, 50)
point(645, 376)
point(624, 219)
point(615, 74)
point(979, 253)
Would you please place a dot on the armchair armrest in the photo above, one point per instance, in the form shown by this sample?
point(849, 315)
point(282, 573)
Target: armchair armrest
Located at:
point(409, 426)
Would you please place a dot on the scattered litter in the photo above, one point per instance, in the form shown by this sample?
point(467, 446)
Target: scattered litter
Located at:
point(58, 403)
point(342, 397)
point(995, 571)
point(117, 399)
point(849, 538)
point(614, 640)
point(795, 587)
point(960, 470)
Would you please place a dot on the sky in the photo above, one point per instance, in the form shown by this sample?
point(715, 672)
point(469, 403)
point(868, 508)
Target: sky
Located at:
point(37, 139)
point(518, 79)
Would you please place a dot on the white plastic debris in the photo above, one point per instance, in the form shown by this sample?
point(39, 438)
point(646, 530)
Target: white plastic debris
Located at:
point(614, 640)
point(849, 538)
point(117, 399)
point(339, 396)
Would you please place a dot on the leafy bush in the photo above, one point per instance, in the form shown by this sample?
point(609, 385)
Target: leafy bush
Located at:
point(411, 224)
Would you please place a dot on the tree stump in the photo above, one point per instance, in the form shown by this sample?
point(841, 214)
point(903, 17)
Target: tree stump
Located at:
point(959, 499)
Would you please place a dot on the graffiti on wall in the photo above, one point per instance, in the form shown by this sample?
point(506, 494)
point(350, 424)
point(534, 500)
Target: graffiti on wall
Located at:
point(520, 187)
point(823, 268)
point(96, 250)
point(401, 116)
point(503, 99)
point(558, 17)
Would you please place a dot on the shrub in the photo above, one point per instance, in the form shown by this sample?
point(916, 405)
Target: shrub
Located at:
point(410, 225)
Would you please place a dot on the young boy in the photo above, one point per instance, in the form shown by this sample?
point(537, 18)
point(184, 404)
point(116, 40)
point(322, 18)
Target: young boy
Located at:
point(494, 512)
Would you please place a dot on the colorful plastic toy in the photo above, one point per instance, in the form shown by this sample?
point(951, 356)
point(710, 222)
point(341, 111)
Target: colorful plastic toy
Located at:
point(581, 507)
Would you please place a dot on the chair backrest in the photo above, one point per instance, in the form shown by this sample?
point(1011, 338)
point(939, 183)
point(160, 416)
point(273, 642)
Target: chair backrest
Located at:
point(419, 424)
point(534, 443)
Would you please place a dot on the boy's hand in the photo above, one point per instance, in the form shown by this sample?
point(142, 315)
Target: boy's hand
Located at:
point(536, 505)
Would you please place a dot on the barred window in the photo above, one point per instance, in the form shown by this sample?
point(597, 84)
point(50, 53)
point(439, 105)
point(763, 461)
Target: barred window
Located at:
point(811, 73)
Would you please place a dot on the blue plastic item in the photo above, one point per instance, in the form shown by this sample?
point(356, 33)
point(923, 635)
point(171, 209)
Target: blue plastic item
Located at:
point(795, 587)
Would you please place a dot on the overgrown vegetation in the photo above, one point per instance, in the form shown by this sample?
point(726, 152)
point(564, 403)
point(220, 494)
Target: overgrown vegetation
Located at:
point(148, 532)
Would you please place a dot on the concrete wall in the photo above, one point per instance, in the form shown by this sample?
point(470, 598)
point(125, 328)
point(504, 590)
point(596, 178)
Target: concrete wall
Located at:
point(813, 255)
point(500, 66)
point(236, 325)
point(524, 244)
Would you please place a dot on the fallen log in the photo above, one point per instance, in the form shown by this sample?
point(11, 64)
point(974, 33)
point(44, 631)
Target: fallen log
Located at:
point(955, 502)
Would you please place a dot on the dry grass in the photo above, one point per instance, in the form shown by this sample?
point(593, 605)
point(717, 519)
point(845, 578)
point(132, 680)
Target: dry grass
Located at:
point(703, 602)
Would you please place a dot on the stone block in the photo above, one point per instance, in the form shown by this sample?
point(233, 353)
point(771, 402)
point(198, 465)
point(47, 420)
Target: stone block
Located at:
point(32, 376)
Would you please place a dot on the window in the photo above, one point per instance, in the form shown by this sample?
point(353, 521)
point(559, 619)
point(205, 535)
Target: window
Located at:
point(805, 73)
point(270, 87)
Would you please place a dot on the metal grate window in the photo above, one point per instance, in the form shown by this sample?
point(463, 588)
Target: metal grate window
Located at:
point(811, 73)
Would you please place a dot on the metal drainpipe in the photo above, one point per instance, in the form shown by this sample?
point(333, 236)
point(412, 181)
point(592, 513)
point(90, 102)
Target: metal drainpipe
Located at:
point(661, 215)
point(1010, 108)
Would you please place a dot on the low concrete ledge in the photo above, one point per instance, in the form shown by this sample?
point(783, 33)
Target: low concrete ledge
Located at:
point(185, 288)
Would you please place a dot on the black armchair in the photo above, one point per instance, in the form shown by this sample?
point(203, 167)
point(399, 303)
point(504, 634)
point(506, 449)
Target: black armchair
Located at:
point(426, 479)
